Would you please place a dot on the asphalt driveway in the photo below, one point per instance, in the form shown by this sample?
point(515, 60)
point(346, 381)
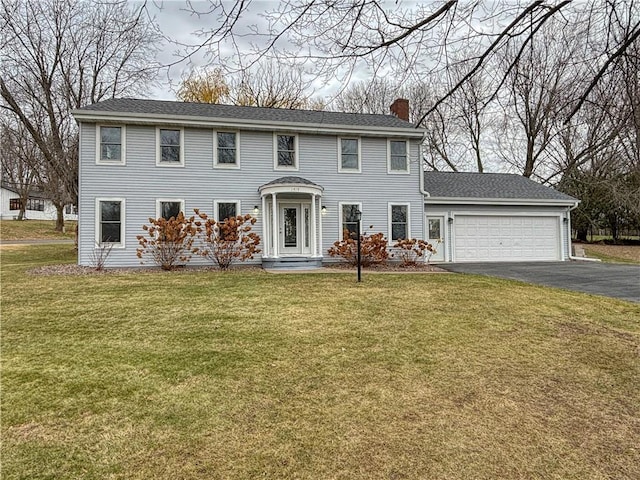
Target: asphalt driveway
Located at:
point(608, 279)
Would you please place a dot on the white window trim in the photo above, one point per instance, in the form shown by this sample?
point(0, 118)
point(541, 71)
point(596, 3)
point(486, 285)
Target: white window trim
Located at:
point(123, 145)
point(226, 166)
point(159, 163)
point(97, 243)
point(389, 217)
point(217, 202)
point(340, 216)
point(177, 200)
point(341, 169)
point(398, 172)
point(296, 167)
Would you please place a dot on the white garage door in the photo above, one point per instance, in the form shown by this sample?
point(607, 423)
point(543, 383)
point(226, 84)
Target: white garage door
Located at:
point(497, 238)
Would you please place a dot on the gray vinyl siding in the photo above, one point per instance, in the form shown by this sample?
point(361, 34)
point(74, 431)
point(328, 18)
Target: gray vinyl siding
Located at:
point(448, 210)
point(140, 182)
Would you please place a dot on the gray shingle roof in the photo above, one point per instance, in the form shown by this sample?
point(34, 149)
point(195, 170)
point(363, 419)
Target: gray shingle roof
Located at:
point(488, 185)
point(183, 109)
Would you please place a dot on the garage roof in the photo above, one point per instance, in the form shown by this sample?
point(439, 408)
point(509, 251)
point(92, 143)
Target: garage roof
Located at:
point(489, 186)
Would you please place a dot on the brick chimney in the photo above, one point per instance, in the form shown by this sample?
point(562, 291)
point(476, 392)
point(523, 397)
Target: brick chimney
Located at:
point(400, 108)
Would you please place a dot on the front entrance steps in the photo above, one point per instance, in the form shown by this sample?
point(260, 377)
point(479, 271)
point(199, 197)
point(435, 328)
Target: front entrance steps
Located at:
point(291, 263)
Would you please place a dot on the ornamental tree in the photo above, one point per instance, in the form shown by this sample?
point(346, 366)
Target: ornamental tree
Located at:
point(227, 241)
point(169, 242)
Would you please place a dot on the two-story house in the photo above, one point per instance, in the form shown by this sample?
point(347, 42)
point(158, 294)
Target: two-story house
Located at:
point(303, 175)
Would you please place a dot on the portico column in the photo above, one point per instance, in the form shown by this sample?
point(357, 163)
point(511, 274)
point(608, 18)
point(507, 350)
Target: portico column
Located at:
point(320, 227)
point(265, 228)
point(313, 226)
point(274, 210)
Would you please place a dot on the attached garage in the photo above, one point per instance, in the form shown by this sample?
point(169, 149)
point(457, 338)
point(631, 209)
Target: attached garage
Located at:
point(490, 238)
point(497, 218)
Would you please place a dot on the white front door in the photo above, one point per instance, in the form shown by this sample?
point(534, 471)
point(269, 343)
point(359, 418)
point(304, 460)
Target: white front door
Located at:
point(294, 229)
point(290, 224)
point(435, 236)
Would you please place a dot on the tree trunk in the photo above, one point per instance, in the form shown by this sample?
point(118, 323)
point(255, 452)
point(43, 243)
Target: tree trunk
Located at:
point(59, 218)
point(22, 214)
point(581, 234)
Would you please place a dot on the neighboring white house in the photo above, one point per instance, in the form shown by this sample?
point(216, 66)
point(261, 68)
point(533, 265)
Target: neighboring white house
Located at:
point(39, 207)
point(301, 173)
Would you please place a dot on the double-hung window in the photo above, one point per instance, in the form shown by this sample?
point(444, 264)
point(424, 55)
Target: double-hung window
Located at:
point(14, 204)
point(348, 219)
point(110, 221)
point(398, 156)
point(226, 150)
point(399, 221)
point(226, 209)
point(286, 152)
point(110, 145)
point(169, 147)
point(349, 155)
point(169, 208)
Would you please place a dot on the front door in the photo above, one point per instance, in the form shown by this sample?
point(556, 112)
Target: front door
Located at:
point(290, 228)
point(435, 236)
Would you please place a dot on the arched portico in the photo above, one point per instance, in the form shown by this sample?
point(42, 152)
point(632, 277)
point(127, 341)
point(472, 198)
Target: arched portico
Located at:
point(292, 220)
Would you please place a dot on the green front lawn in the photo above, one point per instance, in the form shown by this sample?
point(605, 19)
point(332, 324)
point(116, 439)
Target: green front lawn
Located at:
point(197, 375)
point(35, 230)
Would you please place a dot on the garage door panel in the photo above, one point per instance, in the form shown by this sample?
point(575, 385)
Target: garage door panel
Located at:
point(505, 237)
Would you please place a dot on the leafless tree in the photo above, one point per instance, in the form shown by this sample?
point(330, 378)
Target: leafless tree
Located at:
point(538, 90)
point(19, 162)
point(62, 54)
point(265, 84)
point(414, 40)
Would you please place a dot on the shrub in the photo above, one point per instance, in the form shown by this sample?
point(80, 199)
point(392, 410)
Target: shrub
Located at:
point(373, 249)
point(225, 242)
point(100, 254)
point(411, 249)
point(168, 242)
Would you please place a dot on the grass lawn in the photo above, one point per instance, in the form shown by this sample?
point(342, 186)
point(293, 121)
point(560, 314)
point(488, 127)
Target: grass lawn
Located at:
point(197, 375)
point(35, 230)
point(614, 253)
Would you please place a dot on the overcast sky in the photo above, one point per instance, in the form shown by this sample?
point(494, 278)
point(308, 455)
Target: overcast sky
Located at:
point(178, 23)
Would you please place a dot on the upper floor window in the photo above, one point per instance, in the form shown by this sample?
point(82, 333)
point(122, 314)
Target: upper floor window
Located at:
point(399, 221)
point(398, 159)
point(170, 148)
point(348, 219)
point(349, 155)
point(169, 208)
point(110, 145)
point(226, 150)
point(110, 222)
point(286, 152)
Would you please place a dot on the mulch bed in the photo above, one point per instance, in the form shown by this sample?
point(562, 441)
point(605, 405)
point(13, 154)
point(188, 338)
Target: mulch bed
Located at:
point(71, 269)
